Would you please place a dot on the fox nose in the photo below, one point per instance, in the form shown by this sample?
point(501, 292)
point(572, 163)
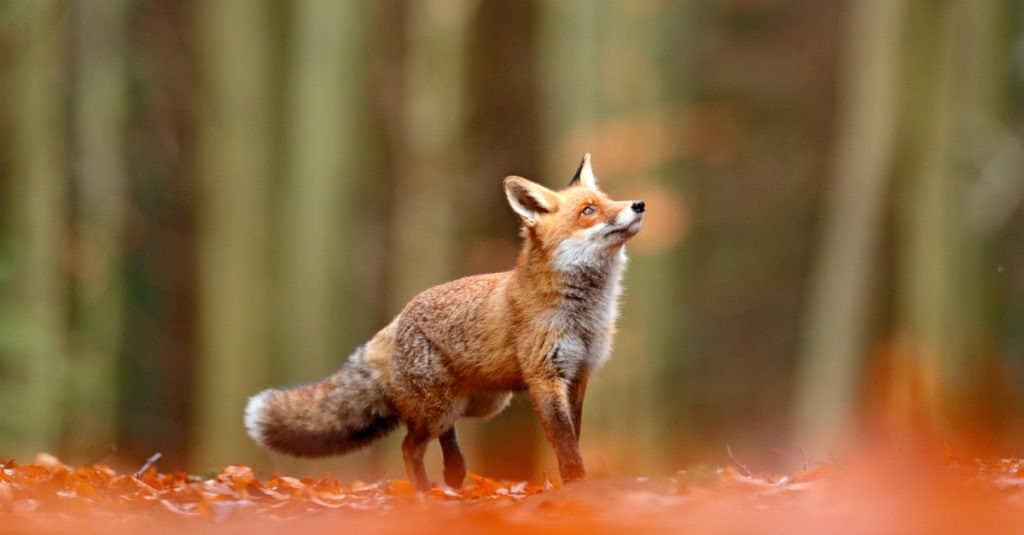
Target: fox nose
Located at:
point(639, 207)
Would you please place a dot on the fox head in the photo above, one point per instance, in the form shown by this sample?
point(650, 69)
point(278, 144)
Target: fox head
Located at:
point(578, 226)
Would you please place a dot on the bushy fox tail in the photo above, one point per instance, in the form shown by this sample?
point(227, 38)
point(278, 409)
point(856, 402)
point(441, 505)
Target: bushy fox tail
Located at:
point(341, 413)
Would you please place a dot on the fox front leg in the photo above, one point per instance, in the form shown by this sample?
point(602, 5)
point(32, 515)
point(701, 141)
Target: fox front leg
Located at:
point(551, 401)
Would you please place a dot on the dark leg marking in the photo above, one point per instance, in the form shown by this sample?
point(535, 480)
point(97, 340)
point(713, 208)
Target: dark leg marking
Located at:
point(454, 463)
point(577, 390)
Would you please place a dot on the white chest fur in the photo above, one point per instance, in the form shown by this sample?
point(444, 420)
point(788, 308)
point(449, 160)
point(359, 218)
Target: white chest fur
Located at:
point(587, 313)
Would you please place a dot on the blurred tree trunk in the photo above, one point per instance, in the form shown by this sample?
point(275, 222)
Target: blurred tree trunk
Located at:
point(367, 248)
point(570, 102)
point(664, 253)
point(325, 241)
point(425, 193)
point(589, 112)
point(35, 363)
point(926, 223)
point(503, 138)
point(235, 162)
point(320, 216)
point(952, 44)
point(649, 343)
point(994, 158)
point(99, 134)
point(570, 34)
point(159, 288)
point(837, 321)
point(661, 268)
point(431, 135)
point(760, 128)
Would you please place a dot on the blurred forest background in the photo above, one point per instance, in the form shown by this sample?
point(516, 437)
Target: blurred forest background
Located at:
point(201, 199)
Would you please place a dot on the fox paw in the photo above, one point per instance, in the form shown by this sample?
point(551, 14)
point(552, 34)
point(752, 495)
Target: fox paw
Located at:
point(454, 477)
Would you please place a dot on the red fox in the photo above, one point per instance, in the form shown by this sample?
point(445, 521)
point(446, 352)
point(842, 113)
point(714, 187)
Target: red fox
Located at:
point(460, 349)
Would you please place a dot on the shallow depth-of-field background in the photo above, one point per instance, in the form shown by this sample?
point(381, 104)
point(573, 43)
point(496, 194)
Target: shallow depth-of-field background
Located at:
point(200, 199)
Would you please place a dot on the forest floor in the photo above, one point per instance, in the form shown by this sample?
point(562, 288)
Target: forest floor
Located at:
point(893, 495)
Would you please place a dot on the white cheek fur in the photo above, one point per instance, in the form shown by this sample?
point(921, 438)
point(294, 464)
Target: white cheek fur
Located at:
point(584, 249)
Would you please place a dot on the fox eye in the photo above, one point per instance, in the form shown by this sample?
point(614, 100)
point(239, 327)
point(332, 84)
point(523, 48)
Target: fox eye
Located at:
point(589, 210)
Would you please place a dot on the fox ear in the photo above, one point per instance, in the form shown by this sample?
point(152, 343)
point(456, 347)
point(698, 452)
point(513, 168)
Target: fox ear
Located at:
point(529, 199)
point(584, 174)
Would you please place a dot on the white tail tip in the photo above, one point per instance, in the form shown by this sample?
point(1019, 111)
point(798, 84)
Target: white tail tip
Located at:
point(254, 415)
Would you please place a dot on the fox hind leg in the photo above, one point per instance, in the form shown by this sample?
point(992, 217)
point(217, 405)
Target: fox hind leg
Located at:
point(413, 447)
point(454, 462)
point(423, 392)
